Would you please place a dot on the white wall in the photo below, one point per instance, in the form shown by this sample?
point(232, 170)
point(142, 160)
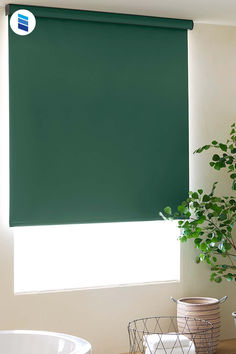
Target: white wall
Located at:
point(101, 316)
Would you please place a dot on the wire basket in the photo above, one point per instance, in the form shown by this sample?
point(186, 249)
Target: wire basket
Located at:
point(170, 335)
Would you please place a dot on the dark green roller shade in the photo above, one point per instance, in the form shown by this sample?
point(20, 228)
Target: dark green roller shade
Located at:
point(98, 117)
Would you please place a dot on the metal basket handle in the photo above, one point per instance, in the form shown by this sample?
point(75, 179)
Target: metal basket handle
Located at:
point(174, 300)
point(223, 299)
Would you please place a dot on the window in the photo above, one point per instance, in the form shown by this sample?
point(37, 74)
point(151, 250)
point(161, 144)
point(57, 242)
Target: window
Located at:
point(98, 103)
point(95, 255)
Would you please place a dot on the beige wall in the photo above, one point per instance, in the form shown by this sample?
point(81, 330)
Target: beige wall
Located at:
point(101, 316)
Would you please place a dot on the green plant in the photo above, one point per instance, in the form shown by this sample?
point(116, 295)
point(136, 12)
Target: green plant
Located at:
point(209, 219)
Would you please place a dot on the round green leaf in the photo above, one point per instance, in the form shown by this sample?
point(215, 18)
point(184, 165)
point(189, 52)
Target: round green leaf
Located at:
point(215, 157)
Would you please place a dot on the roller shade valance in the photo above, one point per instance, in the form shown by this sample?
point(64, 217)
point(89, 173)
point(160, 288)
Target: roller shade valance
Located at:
point(98, 117)
point(105, 17)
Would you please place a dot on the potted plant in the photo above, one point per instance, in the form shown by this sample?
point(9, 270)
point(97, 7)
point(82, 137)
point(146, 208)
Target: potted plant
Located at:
point(208, 219)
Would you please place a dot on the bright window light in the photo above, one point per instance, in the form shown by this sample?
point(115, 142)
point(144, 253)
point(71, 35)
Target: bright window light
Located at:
point(49, 258)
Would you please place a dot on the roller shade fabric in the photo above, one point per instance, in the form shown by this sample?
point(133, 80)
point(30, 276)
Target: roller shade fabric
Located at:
point(98, 117)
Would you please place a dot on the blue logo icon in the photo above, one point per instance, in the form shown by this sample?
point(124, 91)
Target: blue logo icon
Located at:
point(23, 22)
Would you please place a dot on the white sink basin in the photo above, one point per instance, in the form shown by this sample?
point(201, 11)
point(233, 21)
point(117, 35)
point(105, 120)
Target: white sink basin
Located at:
point(40, 342)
